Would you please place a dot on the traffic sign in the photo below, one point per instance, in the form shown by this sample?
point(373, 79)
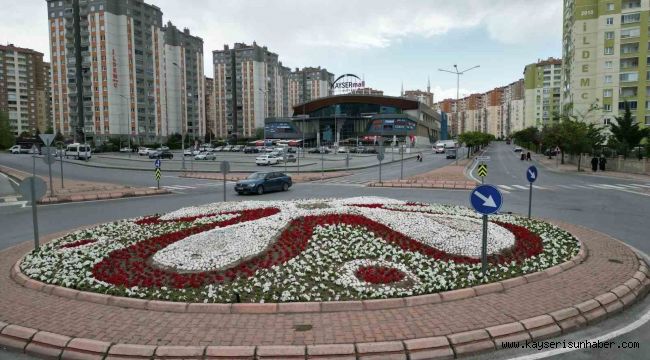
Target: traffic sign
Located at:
point(25, 188)
point(49, 155)
point(531, 174)
point(225, 167)
point(380, 156)
point(486, 199)
point(157, 164)
point(482, 170)
point(47, 138)
point(157, 173)
point(482, 158)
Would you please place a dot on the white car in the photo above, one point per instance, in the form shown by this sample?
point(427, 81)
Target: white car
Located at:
point(188, 152)
point(342, 150)
point(440, 149)
point(15, 149)
point(125, 150)
point(266, 160)
point(205, 156)
point(143, 151)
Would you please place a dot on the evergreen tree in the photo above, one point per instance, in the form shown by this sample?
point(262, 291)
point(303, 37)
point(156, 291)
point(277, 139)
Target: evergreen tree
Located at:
point(7, 139)
point(626, 132)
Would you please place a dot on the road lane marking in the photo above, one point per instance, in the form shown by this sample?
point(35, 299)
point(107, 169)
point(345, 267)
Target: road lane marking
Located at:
point(584, 187)
point(505, 187)
point(565, 187)
point(539, 187)
point(520, 187)
point(630, 186)
point(10, 179)
point(645, 186)
point(613, 187)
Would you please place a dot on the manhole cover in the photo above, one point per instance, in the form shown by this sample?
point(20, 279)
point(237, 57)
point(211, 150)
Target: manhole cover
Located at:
point(303, 327)
point(616, 261)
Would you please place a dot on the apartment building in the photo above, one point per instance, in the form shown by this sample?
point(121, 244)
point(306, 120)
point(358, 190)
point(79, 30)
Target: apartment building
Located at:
point(493, 107)
point(512, 109)
point(210, 110)
point(605, 55)
point(448, 106)
point(542, 81)
point(23, 89)
point(116, 70)
point(249, 86)
point(308, 84)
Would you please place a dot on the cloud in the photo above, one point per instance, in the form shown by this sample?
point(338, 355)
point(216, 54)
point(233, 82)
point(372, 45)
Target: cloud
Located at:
point(440, 93)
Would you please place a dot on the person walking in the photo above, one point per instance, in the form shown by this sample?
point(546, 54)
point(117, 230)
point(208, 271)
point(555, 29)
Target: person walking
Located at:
point(594, 164)
point(602, 162)
point(528, 156)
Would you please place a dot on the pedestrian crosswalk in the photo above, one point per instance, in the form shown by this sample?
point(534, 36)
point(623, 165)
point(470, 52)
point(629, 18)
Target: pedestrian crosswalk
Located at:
point(596, 186)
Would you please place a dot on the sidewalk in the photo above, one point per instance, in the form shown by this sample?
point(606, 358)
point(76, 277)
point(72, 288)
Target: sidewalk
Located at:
point(57, 322)
point(74, 191)
point(585, 169)
point(295, 177)
point(447, 177)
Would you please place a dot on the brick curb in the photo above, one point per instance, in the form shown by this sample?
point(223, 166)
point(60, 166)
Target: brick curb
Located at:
point(444, 184)
point(43, 343)
point(294, 307)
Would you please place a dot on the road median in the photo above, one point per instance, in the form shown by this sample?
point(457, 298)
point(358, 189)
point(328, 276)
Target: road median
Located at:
point(450, 177)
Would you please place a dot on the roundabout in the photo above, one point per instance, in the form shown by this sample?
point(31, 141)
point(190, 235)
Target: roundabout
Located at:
point(348, 278)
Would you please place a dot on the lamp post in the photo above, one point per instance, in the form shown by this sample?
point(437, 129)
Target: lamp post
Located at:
point(458, 74)
point(182, 127)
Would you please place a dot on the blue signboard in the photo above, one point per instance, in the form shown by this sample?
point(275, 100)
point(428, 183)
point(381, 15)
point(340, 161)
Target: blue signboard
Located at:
point(486, 199)
point(531, 174)
point(157, 163)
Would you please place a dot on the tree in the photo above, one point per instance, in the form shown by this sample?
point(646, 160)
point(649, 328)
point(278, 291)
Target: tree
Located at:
point(626, 132)
point(49, 130)
point(209, 136)
point(59, 137)
point(174, 141)
point(259, 133)
point(7, 139)
point(528, 137)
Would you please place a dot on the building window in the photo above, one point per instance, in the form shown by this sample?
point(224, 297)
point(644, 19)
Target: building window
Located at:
point(609, 21)
point(607, 107)
point(610, 7)
point(609, 35)
point(607, 93)
point(647, 119)
point(630, 18)
point(606, 121)
point(630, 76)
point(609, 50)
point(629, 33)
point(632, 104)
point(609, 64)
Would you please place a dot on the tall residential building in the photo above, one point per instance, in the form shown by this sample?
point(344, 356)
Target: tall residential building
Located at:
point(605, 56)
point(23, 93)
point(117, 71)
point(512, 111)
point(543, 83)
point(184, 82)
point(45, 112)
point(210, 110)
point(308, 84)
point(249, 86)
point(492, 103)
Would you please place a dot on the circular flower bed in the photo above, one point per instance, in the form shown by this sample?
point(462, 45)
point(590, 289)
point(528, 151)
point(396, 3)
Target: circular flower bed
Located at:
point(303, 250)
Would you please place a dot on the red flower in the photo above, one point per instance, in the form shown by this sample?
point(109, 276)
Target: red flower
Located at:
point(379, 274)
point(77, 243)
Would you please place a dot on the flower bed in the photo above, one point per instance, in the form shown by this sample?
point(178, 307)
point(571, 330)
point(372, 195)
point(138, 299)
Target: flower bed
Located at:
point(304, 250)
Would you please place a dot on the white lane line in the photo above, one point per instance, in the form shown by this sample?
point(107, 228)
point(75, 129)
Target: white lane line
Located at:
point(629, 186)
point(613, 187)
point(181, 187)
point(471, 175)
point(539, 187)
point(642, 185)
point(13, 203)
point(505, 187)
point(599, 186)
point(566, 187)
point(520, 187)
point(584, 187)
point(10, 179)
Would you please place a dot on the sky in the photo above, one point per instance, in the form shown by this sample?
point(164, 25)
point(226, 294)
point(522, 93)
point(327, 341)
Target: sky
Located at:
point(387, 42)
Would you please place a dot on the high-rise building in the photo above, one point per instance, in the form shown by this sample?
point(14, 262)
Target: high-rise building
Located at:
point(512, 112)
point(183, 82)
point(448, 106)
point(117, 71)
point(425, 97)
point(308, 84)
point(605, 56)
point(493, 121)
point(210, 110)
point(249, 86)
point(45, 97)
point(543, 83)
point(23, 92)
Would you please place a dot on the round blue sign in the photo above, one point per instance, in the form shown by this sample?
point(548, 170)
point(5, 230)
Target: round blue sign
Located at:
point(157, 163)
point(486, 199)
point(531, 174)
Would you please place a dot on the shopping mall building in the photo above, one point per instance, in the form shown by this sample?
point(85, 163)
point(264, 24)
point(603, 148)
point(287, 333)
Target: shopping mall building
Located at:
point(357, 119)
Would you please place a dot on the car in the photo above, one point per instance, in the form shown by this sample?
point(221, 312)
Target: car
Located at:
point(125, 150)
point(251, 150)
point(78, 151)
point(144, 151)
point(266, 159)
point(342, 150)
point(268, 149)
point(320, 150)
point(450, 153)
point(289, 158)
point(237, 148)
point(439, 149)
point(188, 152)
point(218, 148)
point(508, 141)
point(196, 152)
point(161, 154)
point(205, 156)
point(292, 150)
point(227, 148)
point(518, 149)
point(163, 148)
point(261, 182)
point(15, 149)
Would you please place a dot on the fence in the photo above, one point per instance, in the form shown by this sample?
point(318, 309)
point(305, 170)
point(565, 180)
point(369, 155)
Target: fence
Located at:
point(629, 165)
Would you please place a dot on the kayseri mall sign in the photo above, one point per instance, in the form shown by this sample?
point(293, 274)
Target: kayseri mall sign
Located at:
point(347, 83)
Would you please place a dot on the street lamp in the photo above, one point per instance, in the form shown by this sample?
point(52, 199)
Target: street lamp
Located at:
point(458, 74)
point(182, 126)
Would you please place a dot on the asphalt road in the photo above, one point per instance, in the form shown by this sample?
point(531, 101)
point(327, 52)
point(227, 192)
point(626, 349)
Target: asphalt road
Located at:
point(616, 210)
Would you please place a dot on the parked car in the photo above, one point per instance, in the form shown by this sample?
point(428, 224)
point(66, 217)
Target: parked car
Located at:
point(260, 182)
point(78, 151)
point(161, 154)
point(16, 149)
point(162, 148)
point(237, 148)
point(266, 159)
point(143, 151)
point(205, 156)
point(450, 153)
point(319, 150)
point(188, 152)
point(292, 150)
point(518, 149)
point(227, 148)
point(289, 158)
point(251, 150)
point(125, 150)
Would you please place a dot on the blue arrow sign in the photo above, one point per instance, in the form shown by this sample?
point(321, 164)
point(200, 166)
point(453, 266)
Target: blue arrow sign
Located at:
point(157, 163)
point(486, 199)
point(531, 174)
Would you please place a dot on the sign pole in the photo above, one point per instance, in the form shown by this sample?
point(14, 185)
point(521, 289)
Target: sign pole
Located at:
point(34, 214)
point(224, 187)
point(530, 199)
point(61, 160)
point(322, 164)
point(380, 171)
point(298, 159)
point(49, 169)
point(401, 170)
point(225, 168)
point(484, 246)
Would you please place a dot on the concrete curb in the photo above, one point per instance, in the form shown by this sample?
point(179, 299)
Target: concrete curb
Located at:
point(297, 307)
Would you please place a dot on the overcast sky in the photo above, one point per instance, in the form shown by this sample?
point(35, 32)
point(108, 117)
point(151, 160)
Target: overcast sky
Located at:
point(386, 41)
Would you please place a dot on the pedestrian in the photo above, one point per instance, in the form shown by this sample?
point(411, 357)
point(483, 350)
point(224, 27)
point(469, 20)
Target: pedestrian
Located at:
point(602, 162)
point(594, 164)
point(528, 156)
point(523, 156)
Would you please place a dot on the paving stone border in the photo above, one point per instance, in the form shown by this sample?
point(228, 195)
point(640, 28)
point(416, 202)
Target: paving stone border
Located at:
point(433, 184)
point(295, 307)
point(456, 344)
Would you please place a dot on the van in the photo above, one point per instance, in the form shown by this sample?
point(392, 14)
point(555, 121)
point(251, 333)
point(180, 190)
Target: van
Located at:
point(78, 151)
